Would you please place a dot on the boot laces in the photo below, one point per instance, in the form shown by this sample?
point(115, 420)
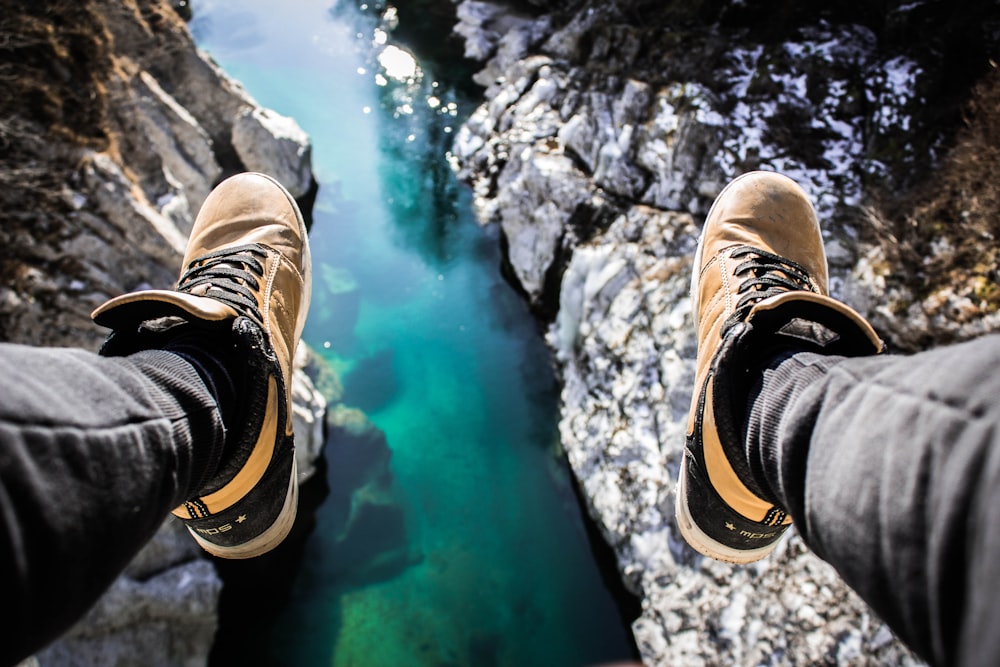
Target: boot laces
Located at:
point(230, 275)
point(764, 275)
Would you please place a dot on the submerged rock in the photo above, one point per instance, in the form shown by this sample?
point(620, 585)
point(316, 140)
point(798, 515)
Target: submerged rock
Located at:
point(366, 537)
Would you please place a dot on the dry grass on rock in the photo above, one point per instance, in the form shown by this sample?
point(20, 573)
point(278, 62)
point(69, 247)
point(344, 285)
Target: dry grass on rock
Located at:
point(944, 233)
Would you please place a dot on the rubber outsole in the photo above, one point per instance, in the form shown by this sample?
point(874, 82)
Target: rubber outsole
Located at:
point(270, 538)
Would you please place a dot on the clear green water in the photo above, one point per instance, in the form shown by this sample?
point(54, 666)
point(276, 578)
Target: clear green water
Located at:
point(410, 309)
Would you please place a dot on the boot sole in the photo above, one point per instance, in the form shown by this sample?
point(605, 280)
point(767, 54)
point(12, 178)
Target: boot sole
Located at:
point(267, 540)
point(701, 542)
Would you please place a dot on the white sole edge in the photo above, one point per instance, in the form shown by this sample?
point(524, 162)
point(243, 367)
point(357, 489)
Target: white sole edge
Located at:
point(701, 542)
point(270, 538)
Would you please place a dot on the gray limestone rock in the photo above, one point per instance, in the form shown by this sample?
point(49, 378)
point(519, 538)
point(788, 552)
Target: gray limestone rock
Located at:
point(268, 142)
point(626, 348)
point(173, 117)
point(184, 147)
point(308, 414)
point(130, 211)
point(592, 113)
point(161, 611)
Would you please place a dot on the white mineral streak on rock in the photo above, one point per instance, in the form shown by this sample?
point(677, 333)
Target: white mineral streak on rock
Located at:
point(115, 197)
point(185, 148)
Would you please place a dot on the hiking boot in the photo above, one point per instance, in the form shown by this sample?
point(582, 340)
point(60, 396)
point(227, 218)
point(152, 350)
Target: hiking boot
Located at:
point(246, 280)
point(758, 288)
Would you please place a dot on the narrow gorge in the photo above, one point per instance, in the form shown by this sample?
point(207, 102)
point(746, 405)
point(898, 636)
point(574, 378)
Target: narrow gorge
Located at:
point(601, 134)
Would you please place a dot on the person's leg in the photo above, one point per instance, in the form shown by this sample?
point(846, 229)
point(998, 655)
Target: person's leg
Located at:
point(95, 450)
point(890, 468)
point(95, 453)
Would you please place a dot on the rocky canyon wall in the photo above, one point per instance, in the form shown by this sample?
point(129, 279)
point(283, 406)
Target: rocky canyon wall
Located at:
point(114, 130)
point(605, 132)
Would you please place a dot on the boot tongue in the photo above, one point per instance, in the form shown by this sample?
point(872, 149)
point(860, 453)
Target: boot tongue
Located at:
point(826, 324)
point(162, 324)
point(200, 290)
point(809, 331)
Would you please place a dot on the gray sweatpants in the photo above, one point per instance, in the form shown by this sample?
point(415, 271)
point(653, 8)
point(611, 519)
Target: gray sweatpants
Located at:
point(94, 453)
point(890, 467)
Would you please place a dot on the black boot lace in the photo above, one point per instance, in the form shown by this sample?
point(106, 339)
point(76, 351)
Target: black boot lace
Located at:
point(764, 275)
point(231, 275)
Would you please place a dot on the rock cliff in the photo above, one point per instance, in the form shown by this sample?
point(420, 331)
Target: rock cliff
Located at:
point(606, 131)
point(113, 117)
point(114, 130)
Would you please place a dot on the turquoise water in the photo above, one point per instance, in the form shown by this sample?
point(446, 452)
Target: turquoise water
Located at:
point(410, 310)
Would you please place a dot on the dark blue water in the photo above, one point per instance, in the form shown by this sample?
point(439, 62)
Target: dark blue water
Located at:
point(491, 564)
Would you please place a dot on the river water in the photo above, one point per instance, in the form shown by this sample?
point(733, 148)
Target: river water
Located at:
point(411, 312)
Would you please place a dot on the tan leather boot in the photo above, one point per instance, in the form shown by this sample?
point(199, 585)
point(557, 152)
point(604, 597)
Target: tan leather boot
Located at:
point(759, 286)
point(247, 274)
